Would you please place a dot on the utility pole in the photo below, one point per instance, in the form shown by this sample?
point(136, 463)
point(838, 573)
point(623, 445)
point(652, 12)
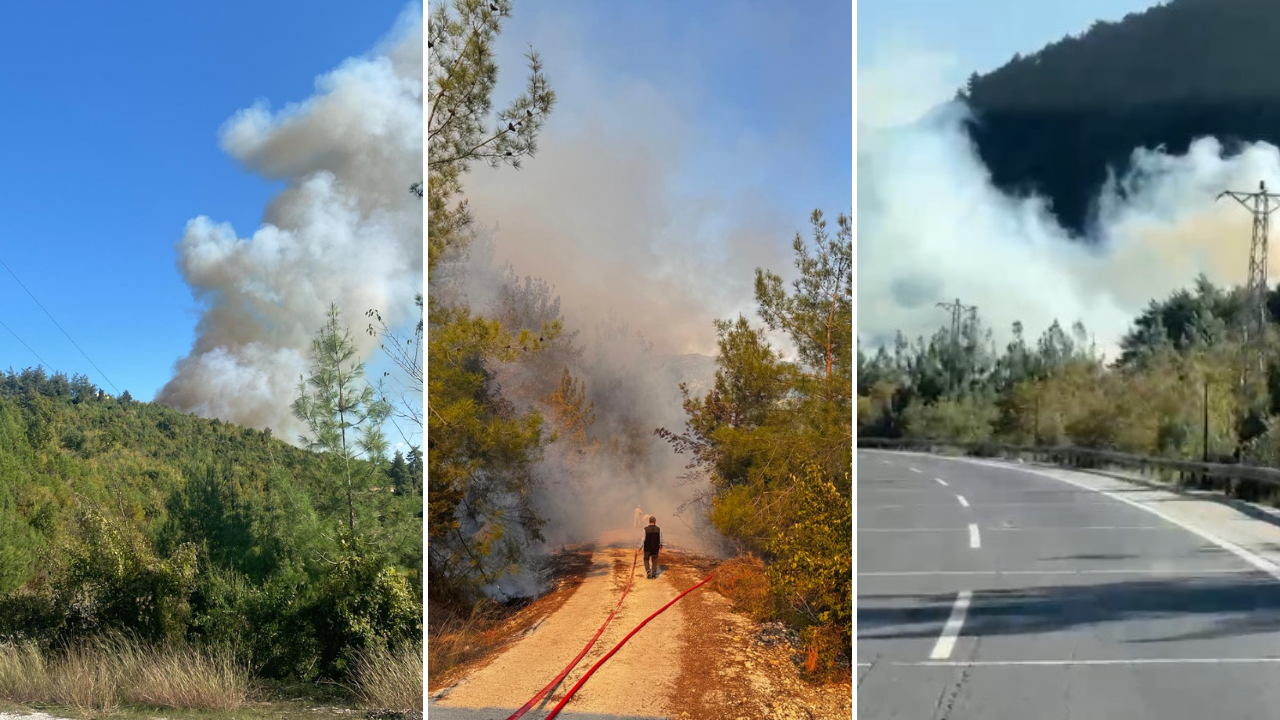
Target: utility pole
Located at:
point(1260, 204)
point(958, 311)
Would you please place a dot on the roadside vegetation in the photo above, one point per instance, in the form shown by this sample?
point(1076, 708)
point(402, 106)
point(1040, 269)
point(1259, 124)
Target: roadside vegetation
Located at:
point(1182, 351)
point(771, 442)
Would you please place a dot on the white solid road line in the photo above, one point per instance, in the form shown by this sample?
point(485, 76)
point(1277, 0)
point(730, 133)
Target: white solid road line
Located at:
point(915, 470)
point(1100, 571)
point(974, 540)
point(999, 528)
point(1077, 528)
point(963, 502)
point(1110, 661)
point(947, 641)
point(941, 482)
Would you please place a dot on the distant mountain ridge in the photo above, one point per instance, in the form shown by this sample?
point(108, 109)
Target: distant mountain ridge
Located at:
point(1054, 121)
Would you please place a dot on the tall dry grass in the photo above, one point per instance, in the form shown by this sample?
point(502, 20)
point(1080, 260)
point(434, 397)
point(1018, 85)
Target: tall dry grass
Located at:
point(24, 677)
point(388, 680)
point(99, 676)
point(459, 638)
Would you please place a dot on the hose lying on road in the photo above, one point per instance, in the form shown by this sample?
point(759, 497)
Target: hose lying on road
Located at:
point(622, 642)
point(542, 693)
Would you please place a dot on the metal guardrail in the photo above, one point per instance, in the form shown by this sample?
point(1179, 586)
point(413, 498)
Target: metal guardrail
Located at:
point(1250, 482)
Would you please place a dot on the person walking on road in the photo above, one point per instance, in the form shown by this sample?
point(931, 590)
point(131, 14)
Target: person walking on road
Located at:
point(652, 544)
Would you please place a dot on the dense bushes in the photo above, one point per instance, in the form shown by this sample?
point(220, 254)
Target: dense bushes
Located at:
point(127, 517)
point(812, 565)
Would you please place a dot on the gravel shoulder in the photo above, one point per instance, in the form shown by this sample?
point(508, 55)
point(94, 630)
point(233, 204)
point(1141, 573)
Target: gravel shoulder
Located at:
point(696, 660)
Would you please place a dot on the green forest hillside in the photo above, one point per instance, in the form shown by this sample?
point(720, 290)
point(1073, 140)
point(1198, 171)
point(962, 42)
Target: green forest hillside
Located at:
point(124, 516)
point(1055, 120)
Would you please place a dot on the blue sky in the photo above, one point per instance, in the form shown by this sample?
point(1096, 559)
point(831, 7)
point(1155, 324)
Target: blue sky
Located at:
point(975, 35)
point(739, 67)
point(109, 146)
point(691, 141)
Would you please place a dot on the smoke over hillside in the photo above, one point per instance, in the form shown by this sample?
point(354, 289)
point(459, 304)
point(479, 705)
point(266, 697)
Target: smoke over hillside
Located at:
point(345, 229)
point(932, 227)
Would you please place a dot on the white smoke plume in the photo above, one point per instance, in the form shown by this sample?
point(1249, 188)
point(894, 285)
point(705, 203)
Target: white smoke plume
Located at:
point(346, 229)
point(932, 227)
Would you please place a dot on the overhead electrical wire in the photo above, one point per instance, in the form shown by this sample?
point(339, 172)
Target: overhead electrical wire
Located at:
point(64, 332)
point(25, 345)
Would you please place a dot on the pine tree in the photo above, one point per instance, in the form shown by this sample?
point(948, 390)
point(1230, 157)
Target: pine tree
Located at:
point(341, 410)
point(398, 473)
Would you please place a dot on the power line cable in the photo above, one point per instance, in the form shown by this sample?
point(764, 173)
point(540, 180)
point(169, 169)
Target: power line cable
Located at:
point(64, 332)
point(25, 345)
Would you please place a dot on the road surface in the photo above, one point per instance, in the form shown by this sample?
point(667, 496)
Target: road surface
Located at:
point(633, 685)
point(1001, 592)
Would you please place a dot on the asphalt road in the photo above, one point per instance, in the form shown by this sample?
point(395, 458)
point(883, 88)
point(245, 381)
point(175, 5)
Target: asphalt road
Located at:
point(1001, 594)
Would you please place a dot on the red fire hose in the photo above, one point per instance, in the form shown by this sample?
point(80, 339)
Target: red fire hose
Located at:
point(615, 649)
point(541, 693)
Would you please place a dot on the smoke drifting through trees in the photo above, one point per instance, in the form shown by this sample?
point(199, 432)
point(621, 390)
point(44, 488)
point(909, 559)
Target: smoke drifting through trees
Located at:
point(344, 230)
point(932, 226)
point(602, 388)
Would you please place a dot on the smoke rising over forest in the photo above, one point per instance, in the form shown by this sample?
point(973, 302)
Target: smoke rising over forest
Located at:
point(345, 229)
point(601, 229)
point(932, 227)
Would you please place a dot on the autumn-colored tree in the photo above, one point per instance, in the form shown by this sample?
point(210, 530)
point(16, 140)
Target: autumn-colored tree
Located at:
point(570, 409)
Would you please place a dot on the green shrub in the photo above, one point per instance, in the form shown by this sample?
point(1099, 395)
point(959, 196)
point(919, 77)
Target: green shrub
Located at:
point(113, 580)
point(812, 563)
point(364, 604)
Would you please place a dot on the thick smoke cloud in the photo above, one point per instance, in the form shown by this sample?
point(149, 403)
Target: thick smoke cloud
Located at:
point(932, 227)
point(345, 230)
point(608, 213)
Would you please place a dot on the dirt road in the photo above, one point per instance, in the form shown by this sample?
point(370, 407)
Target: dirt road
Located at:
point(695, 660)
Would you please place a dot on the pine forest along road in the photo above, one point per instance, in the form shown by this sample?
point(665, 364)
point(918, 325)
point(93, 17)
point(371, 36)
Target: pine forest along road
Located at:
point(1003, 591)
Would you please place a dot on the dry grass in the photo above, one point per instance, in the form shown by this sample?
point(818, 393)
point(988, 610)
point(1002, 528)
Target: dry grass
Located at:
point(744, 582)
point(24, 676)
point(458, 639)
point(390, 681)
point(184, 677)
point(97, 677)
point(86, 679)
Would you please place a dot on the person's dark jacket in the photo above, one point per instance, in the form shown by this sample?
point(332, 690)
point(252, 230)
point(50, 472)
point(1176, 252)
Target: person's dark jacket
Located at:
point(652, 539)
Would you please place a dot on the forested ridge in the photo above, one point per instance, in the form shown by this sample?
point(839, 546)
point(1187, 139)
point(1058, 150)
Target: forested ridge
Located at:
point(1055, 121)
point(119, 516)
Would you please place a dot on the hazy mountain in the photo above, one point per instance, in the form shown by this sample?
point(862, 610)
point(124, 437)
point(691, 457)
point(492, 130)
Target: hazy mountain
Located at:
point(1054, 121)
